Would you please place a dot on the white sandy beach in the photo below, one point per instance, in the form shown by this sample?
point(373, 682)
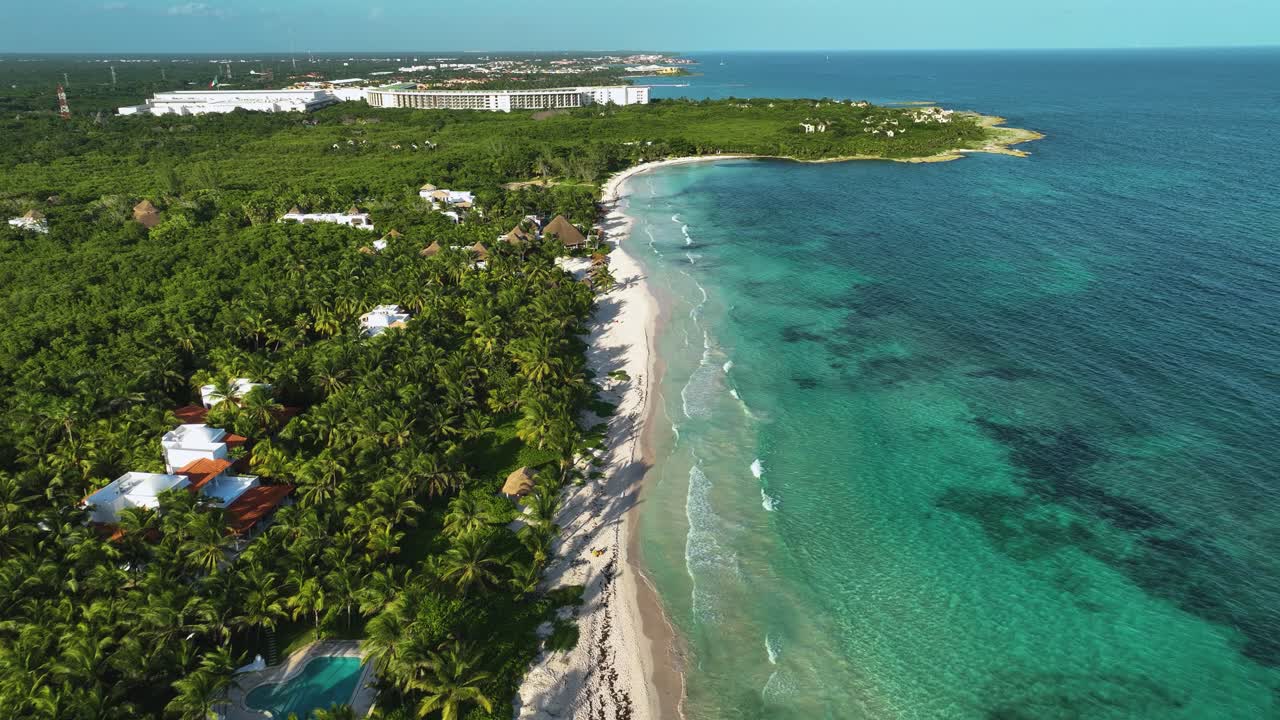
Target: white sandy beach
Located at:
point(624, 665)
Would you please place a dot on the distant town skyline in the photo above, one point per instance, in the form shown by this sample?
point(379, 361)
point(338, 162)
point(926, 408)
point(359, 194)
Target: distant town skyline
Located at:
point(167, 26)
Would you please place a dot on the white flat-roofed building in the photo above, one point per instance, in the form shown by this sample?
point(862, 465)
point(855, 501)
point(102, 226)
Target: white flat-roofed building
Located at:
point(33, 220)
point(508, 100)
point(444, 195)
point(352, 217)
point(382, 318)
point(200, 102)
point(133, 489)
point(188, 443)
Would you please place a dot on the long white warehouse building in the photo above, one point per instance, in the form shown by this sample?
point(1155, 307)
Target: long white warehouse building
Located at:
point(508, 100)
point(199, 102)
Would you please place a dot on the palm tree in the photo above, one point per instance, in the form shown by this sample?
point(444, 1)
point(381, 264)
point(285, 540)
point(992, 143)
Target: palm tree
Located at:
point(309, 599)
point(260, 409)
point(203, 689)
point(387, 638)
point(259, 603)
point(468, 564)
point(451, 681)
point(206, 548)
point(468, 514)
point(336, 711)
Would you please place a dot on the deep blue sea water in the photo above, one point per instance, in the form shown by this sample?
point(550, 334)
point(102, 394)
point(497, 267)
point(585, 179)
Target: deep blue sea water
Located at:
point(995, 438)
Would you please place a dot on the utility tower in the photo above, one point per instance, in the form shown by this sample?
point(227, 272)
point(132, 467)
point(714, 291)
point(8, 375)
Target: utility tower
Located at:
point(63, 108)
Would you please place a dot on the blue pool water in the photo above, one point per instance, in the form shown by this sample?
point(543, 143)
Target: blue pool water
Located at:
point(997, 438)
point(323, 682)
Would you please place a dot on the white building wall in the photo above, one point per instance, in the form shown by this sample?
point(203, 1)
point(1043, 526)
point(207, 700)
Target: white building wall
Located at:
point(508, 100)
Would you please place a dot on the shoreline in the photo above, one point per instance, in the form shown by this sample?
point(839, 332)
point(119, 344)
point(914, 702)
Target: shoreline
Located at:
point(1001, 145)
point(628, 662)
point(626, 665)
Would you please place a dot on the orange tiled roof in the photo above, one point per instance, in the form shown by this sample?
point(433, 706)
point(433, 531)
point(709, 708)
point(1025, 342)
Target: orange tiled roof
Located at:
point(256, 503)
point(191, 414)
point(201, 471)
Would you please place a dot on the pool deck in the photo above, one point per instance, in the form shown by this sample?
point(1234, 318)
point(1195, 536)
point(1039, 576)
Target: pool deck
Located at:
point(362, 702)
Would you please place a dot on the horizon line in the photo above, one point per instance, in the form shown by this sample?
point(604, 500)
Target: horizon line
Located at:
point(1080, 48)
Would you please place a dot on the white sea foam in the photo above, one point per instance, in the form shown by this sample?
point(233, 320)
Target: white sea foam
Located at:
point(652, 239)
point(675, 218)
point(772, 646)
point(778, 687)
point(769, 502)
point(704, 556)
point(698, 394)
point(688, 239)
point(693, 259)
point(734, 393)
point(728, 365)
point(757, 468)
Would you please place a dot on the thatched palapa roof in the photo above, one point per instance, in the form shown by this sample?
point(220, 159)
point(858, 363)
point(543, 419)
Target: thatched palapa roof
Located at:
point(146, 214)
point(563, 229)
point(429, 187)
point(430, 250)
point(34, 215)
point(481, 251)
point(519, 483)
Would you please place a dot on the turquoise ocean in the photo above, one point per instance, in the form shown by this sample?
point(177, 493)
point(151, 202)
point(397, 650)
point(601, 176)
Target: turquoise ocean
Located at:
point(995, 438)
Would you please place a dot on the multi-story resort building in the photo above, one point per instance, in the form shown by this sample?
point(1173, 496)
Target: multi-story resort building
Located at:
point(507, 100)
point(199, 102)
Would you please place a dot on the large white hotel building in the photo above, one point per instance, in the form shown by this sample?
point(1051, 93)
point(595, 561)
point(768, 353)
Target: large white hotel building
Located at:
point(508, 100)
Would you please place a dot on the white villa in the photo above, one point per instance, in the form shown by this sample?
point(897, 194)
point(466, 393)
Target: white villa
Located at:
point(33, 220)
point(243, 386)
point(189, 443)
point(446, 196)
point(132, 489)
point(195, 460)
point(352, 217)
point(381, 318)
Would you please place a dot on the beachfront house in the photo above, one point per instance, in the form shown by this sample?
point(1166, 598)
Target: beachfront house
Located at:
point(32, 220)
point(211, 396)
point(353, 217)
point(381, 318)
point(187, 443)
point(570, 236)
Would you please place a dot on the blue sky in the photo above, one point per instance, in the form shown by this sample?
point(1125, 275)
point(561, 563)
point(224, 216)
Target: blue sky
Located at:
point(332, 25)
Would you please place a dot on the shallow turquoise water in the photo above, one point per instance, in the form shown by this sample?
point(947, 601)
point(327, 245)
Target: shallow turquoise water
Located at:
point(323, 682)
point(986, 439)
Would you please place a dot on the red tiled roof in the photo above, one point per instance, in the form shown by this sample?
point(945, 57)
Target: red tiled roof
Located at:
point(256, 503)
point(191, 414)
point(201, 471)
point(234, 440)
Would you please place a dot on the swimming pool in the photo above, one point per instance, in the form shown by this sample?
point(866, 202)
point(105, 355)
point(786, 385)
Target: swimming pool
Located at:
point(321, 683)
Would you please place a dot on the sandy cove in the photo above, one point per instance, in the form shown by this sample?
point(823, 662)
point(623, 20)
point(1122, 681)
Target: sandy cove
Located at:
point(625, 665)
